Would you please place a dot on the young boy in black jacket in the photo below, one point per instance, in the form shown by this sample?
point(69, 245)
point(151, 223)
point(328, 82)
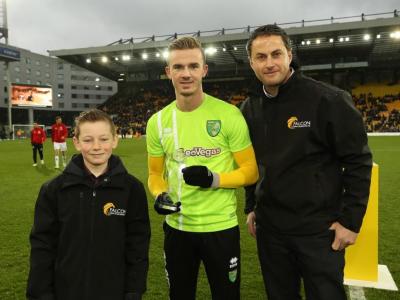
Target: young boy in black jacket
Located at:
point(91, 232)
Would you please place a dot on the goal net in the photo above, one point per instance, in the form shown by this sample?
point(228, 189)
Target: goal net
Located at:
point(22, 131)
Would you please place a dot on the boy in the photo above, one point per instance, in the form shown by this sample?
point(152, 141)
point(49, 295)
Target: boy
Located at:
point(91, 232)
point(38, 136)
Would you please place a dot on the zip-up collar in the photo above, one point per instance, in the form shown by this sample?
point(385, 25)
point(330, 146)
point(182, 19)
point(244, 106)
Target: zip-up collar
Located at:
point(268, 95)
point(283, 89)
point(75, 173)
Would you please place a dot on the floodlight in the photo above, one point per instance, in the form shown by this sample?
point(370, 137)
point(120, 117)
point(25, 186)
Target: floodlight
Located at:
point(211, 50)
point(104, 59)
point(88, 60)
point(165, 54)
point(145, 56)
point(395, 35)
point(366, 37)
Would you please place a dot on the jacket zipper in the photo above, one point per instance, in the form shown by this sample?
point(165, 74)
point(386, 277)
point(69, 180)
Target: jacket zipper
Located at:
point(89, 254)
point(92, 205)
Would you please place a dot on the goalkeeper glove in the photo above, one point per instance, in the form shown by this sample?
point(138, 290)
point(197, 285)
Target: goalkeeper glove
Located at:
point(164, 205)
point(198, 176)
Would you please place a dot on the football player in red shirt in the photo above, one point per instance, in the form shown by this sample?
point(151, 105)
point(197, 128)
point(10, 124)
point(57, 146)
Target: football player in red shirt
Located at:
point(38, 136)
point(59, 134)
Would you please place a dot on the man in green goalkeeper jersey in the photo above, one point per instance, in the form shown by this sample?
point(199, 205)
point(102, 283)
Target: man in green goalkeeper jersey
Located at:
point(199, 151)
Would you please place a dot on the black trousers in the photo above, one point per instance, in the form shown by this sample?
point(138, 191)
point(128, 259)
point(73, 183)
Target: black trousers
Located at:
point(286, 259)
point(220, 253)
point(35, 148)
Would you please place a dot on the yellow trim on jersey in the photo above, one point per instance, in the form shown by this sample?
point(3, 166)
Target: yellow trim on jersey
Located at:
point(246, 174)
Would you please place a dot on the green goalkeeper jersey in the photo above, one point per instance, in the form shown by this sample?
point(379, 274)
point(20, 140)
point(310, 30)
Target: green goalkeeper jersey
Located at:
point(206, 136)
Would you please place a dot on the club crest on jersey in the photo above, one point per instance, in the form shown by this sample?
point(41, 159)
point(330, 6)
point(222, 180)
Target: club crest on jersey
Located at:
point(213, 127)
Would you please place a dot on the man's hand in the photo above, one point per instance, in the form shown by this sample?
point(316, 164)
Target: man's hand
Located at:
point(198, 176)
point(343, 237)
point(251, 224)
point(164, 205)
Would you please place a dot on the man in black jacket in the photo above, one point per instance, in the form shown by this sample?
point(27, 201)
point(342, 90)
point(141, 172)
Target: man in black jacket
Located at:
point(315, 171)
point(91, 232)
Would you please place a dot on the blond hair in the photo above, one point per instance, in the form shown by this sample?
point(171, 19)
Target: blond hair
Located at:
point(185, 43)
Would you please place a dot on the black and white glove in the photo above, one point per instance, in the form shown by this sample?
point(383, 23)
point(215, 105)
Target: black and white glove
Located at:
point(198, 176)
point(164, 205)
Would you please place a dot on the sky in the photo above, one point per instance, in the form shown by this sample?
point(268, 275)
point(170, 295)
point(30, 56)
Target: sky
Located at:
point(41, 25)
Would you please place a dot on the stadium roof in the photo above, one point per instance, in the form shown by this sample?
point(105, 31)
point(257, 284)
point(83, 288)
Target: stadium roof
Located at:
point(350, 42)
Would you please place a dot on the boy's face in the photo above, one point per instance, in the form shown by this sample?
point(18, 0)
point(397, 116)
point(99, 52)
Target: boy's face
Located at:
point(95, 142)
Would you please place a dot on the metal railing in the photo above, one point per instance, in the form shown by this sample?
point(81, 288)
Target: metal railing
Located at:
point(248, 29)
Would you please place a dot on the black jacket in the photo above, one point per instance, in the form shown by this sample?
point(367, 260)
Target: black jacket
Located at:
point(313, 158)
point(90, 239)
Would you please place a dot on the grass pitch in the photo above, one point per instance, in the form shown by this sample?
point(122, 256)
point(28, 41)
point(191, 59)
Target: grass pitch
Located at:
point(20, 183)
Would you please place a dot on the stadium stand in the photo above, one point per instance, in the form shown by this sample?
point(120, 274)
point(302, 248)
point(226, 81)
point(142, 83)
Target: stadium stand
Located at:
point(357, 54)
point(379, 105)
point(131, 108)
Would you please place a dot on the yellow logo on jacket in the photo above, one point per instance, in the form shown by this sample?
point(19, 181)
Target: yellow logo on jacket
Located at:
point(293, 123)
point(109, 210)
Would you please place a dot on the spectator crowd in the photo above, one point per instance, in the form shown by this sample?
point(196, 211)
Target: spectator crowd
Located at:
point(380, 114)
point(131, 112)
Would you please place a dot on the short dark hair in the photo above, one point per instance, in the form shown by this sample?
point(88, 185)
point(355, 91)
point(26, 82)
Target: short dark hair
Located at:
point(93, 115)
point(185, 43)
point(268, 30)
point(58, 117)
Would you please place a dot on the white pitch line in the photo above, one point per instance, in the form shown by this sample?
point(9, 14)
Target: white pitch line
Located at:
point(356, 293)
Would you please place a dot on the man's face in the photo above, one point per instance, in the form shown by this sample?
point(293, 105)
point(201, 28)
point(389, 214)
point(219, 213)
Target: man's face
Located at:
point(270, 60)
point(35, 125)
point(58, 121)
point(95, 142)
point(186, 69)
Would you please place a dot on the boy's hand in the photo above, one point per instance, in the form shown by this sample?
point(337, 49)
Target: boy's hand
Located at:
point(198, 176)
point(164, 205)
